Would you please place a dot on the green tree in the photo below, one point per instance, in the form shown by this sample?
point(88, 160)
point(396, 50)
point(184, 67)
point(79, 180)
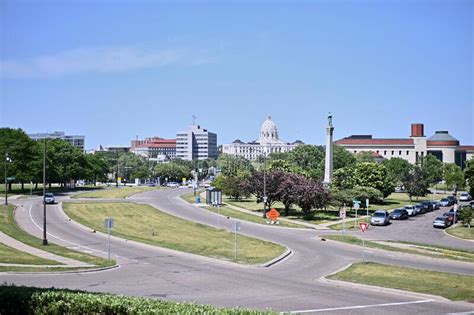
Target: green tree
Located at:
point(397, 169)
point(432, 169)
point(365, 156)
point(307, 160)
point(98, 168)
point(453, 175)
point(343, 178)
point(465, 215)
point(342, 157)
point(371, 174)
point(414, 182)
point(231, 164)
point(172, 172)
point(469, 175)
point(21, 151)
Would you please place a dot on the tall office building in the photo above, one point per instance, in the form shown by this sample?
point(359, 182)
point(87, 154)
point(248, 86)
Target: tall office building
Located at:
point(76, 141)
point(196, 144)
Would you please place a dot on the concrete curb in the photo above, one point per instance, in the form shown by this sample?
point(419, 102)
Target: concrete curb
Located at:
point(280, 258)
point(172, 251)
point(459, 238)
point(374, 288)
point(61, 272)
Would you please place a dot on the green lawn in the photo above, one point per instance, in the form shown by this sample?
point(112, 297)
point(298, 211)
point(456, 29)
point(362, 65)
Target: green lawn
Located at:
point(414, 248)
point(146, 224)
point(452, 286)
point(351, 224)
point(462, 232)
point(9, 255)
point(9, 227)
point(120, 192)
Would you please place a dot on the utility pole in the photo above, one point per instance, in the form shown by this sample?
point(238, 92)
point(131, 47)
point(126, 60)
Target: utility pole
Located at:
point(265, 186)
point(116, 176)
point(6, 181)
point(45, 240)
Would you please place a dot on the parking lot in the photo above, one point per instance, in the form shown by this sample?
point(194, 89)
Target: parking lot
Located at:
point(418, 229)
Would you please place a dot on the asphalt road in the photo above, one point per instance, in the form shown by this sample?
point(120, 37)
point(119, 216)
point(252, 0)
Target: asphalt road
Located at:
point(291, 285)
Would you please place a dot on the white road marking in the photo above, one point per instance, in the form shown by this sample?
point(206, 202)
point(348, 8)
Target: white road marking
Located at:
point(470, 312)
point(359, 307)
point(61, 239)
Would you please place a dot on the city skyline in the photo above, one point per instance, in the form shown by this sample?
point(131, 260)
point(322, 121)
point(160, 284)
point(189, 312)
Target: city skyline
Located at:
point(378, 67)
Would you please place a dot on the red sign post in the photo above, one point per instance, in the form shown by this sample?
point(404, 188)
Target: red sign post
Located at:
point(363, 226)
point(273, 214)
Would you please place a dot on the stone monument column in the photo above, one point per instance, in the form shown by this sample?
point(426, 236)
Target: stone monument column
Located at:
point(329, 149)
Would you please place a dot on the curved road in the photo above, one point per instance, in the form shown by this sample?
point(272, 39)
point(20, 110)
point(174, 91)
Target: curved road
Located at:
point(291, 285)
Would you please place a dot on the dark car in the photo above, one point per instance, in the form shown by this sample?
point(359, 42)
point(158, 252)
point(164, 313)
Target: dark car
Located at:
point(442, 222)
point(399, 214)
point(472, 204)
point(450, 215)
point(427, 206)
point(435, 204)
point(453, 200)
point(419, 208)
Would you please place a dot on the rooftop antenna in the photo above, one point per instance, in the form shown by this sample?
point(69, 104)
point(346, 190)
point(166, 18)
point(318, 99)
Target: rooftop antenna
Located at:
point(194, 119)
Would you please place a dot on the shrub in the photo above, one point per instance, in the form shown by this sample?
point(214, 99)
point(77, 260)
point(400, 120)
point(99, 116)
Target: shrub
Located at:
point(29, 300)
point(465, 215)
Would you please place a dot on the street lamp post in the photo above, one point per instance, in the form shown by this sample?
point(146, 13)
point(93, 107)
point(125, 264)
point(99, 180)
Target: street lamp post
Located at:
point(45, 240)
point(265, 198)
point(6, 181)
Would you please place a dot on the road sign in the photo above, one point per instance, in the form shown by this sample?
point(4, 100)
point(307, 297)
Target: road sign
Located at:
point(356, 206)
point(356, 201)
point(342, 213)
point(367, 203)
point(363, 226)
point(109, 223)
point(273, 214)
point(9, 179)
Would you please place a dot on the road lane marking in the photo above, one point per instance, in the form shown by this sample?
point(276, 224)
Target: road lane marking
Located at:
point(61, 239)
point(359, 307)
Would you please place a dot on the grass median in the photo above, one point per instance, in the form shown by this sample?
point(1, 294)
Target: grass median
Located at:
point(409, 248)
point(9, 255)
point(462, 232)
point(452, 286)
point(115, 192)
point(9, 227)
point(146, 224)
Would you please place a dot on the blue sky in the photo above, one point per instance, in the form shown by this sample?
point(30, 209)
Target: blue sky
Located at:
point(114, 70)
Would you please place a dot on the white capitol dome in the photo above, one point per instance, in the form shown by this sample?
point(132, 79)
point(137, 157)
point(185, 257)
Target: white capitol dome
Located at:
point(268, 131)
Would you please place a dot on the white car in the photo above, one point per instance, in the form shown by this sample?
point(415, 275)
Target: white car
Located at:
point(411, 209)
point(49, 198)
point(464, 196)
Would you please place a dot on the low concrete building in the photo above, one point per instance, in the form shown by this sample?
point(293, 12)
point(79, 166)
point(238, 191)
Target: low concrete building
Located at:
point(155, 148)
point(442, 145)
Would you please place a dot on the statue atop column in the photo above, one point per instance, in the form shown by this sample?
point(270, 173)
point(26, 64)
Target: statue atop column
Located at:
point(330, 119)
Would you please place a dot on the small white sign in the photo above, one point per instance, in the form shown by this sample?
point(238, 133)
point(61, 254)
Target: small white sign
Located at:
point(356, 206)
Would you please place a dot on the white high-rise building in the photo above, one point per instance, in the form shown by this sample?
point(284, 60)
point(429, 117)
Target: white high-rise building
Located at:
point(74, 140)
point(196, 144)
point(268, 142)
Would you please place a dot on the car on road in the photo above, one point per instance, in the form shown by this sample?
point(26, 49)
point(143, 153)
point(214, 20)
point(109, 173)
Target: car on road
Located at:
point(441, 222)
point(173, 184)
point(49, 198)
point(464, 196)
point(399, 214)
point(427, 206)
point(445, 202)
point(380, 217)
point(411, 210)
point(436, 205)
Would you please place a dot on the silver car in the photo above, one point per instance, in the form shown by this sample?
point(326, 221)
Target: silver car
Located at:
point(380, 217)
point(464, 196)
point(49, 198)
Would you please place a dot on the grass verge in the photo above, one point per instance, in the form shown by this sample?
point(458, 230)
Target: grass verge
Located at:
point(9, 255)
point(115, 192)
point(410, 248)
point(351, 224)
point(9, 227)
point(452, 286)
point(146, 224)
point(462, 232)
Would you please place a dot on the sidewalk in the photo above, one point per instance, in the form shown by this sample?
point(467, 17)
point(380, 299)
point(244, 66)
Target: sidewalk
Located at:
point(64, 261)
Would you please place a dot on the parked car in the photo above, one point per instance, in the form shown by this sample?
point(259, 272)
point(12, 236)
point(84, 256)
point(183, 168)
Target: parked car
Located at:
point(445, 202)
point(472, 204)
point(173, 184)
point(427, 206)
point(419, 209)
point(450, 215)
point(399, 214)
point(464, 196)
point(49, 198)
point(442, 222)
point(453, 200)
point(411, 210)
point(436, 205)
point(380, 217)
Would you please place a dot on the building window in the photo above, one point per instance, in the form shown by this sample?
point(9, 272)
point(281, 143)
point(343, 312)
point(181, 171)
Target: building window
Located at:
point(377, 151)
point(400, 152)
point(408, 152)
point(384, 152)
point(393, 152)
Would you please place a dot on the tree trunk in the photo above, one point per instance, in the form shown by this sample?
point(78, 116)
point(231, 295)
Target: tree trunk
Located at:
point(36, 186)
point(287, 210)
point(9, 186)
point(22, 185)
point(49, 185)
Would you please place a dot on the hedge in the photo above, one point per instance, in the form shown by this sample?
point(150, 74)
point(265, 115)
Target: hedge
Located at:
point(30, 300)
